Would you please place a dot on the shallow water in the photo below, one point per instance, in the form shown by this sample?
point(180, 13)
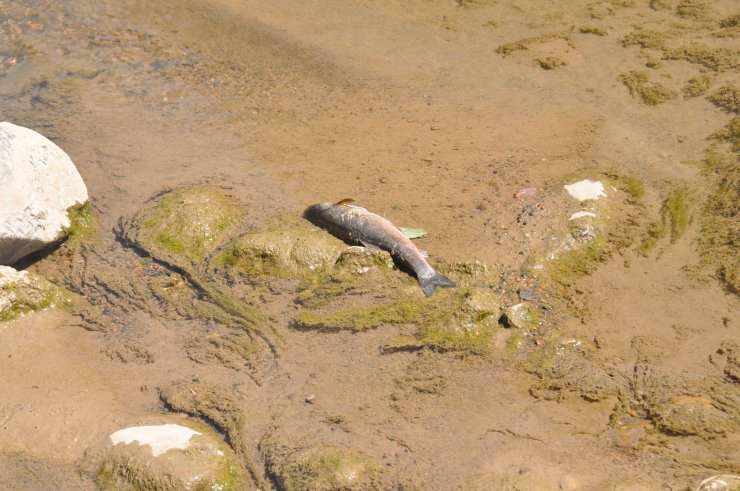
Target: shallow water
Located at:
point(408, 108)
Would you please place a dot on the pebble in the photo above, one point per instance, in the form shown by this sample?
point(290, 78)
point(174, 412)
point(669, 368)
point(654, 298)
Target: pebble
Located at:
point(569, 482)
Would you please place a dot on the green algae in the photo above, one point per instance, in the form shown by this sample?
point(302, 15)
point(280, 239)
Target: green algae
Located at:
point(524, 316)
point(696, 86)
point(646, 38)
point(460, 319)
point(360, 319)
point(731, 21)
point(572, 265)
point(696, 10)
point(720, 229)
point(730, 133)
point(717, 59)
point(650, 93)
point(674, 220)
point(676, 212)
point(190, 222)
point(524, 44)
point(81, 222)
point(24, 297)
point(129, 468)
point(181, 228)
point(628, 184)
point(216, 407)
point(323, 468)
point(727, 97)
point(291, 253)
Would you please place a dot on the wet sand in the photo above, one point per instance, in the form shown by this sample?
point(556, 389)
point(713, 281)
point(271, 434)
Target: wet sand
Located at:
point(421, 113)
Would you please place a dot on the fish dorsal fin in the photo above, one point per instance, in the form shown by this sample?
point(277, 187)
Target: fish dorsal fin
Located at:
point(345, 201)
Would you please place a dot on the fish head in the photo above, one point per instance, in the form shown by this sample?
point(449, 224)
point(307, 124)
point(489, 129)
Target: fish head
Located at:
point(316, 211)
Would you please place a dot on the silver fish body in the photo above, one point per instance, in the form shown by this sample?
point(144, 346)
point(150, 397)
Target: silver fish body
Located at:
point(355, 224)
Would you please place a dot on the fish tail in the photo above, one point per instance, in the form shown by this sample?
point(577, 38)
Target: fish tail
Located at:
point(429, 283)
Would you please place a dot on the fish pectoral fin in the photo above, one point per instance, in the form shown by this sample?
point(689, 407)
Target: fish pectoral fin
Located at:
point(344, 201)
point(424, 254)
point(370, 246)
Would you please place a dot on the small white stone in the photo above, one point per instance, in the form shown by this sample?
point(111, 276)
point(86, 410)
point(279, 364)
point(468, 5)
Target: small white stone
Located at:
point(11, 275)
point(160, 438)
point(581, 214)
point(583, 190)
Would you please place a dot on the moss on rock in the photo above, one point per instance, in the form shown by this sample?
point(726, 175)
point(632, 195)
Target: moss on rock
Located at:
point(22, 292)
point(206, 463)
point(214, 405)
point(186, 223)
point(287, 253)
point(566, 268)
point(81, 222)
point(181, 228)
point(323, 468)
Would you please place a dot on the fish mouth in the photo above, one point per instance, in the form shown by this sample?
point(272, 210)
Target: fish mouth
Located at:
point(314, 210)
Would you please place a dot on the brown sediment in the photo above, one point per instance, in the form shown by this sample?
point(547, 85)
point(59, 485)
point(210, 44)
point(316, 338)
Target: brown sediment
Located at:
point(426, 113)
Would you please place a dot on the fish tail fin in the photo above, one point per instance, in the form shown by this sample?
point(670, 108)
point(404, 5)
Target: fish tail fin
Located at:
point(429, 283)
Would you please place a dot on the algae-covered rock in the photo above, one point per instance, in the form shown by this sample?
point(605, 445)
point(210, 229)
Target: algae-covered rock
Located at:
point(324, 468)
point(692, 415)
point(357, 260)
point(523, 316)
point(464, 320)
point(568, 365)
point(181, 229)
point(185, 223)
point(288, 253)
point(167, 454)
point(21, 292)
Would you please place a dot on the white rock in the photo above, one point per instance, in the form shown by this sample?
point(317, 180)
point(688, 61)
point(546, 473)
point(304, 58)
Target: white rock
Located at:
point(38, 182)
point(583, 190)
point(581, 214)
point(11, 275)
point(160, 438)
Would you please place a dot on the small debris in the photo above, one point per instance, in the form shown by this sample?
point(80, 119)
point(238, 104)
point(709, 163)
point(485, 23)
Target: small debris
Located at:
point(160, 438)
point(522, 316)
point(413, 233)
point(528, 294)
point(526, 192)
point(581, 214)
point(584, 190)
point(310, 398)
point(724, 482)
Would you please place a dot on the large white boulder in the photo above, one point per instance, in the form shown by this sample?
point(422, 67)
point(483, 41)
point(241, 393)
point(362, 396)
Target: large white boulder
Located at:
point(38, 183)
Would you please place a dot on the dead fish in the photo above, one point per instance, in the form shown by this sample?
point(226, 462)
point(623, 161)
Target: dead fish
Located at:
point(355, 224)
